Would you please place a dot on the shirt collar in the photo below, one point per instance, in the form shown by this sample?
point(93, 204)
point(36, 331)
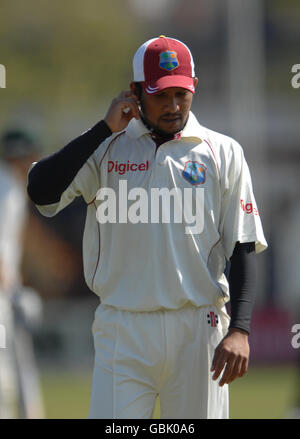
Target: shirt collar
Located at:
point(136, 128)
point(192, 129)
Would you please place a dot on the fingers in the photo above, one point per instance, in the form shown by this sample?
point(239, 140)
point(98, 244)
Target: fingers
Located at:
point(218, 363)
point(129, 106)
point(126, 94)
point(235, 368)
point(244, 367)
point(231, 371)
point(230, 358)
point(122, 109)
point(127, 102)
point(231, 367)
point(129, 98)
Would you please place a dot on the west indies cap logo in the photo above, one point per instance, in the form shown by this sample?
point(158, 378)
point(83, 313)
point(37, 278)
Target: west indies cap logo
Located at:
point(168, 60)
point(194, 172)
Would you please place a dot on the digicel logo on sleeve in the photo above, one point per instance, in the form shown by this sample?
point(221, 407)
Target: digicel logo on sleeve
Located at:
point(248, 208)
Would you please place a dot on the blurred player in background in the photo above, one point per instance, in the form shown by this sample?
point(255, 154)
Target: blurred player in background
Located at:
point(288, 280)
point(20, 307)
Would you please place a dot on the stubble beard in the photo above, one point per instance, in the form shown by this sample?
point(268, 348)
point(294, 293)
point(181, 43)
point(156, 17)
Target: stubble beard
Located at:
point(155, 128)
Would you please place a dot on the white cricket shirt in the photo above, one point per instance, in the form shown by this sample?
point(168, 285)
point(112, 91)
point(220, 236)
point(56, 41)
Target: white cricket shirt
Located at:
point(150, 266)
point(13, 214)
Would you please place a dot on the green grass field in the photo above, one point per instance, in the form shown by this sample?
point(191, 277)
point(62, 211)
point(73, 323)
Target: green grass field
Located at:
point(263, 393)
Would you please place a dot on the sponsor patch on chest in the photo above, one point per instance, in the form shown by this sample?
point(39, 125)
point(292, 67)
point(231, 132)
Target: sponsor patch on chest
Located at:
point(123, 167)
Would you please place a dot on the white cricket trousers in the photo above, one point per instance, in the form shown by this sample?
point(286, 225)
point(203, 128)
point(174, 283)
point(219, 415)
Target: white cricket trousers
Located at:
point(8, 372)
point(140, 355)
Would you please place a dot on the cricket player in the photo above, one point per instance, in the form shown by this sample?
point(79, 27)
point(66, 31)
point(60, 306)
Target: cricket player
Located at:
point(168, 203)
point(20, 393)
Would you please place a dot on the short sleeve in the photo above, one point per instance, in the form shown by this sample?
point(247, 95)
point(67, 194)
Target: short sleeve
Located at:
point(86, 184)
point(240, 219)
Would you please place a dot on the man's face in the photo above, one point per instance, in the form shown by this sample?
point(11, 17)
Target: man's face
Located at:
point(167, 111)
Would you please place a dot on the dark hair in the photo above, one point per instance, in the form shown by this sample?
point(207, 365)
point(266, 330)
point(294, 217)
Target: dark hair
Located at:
point(16, 144)
point(138, 89)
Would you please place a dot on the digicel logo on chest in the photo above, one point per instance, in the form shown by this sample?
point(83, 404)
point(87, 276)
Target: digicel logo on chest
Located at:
point(121, 168)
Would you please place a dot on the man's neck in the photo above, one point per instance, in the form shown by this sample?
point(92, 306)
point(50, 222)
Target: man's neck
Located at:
point(160, 138)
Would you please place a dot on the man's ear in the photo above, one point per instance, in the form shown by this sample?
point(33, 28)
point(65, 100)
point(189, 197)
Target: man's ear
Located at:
point(195, 81)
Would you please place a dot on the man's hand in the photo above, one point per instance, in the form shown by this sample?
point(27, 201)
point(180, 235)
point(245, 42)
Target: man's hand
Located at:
point(233, 351)
point(116, 118)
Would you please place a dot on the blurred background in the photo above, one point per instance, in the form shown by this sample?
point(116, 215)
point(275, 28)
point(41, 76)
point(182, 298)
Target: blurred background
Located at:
point(64, 63)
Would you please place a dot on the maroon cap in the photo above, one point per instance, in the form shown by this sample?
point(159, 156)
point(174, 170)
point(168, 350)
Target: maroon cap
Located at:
point(164, 62)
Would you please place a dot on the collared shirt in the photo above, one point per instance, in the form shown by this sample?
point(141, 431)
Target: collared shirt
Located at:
point(173, 215)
